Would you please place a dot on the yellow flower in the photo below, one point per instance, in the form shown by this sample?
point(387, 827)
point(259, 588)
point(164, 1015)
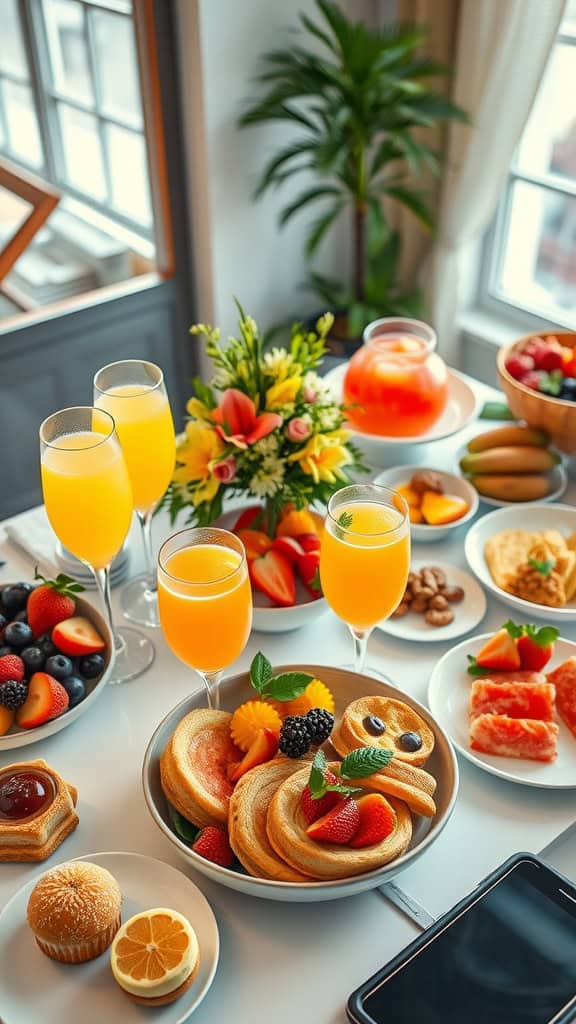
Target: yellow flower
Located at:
point(198, 410)
point(323, 457)
point(195, 457)
point(283, 393)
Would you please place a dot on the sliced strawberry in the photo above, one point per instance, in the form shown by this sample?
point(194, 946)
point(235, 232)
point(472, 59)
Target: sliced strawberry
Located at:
point(535, 646)
point(377, 820)
point(11, 667)
point(289, 547)
point(212, 844)
point(77, 636)
point(262, 749)
point(308, 568)
point(255, 542)
point(46, 699)
point(499, 653)
point(338, 825)
point(314, 809)
point(273, 575)
point(51, 603)
point(247, 518)
point(309, 541)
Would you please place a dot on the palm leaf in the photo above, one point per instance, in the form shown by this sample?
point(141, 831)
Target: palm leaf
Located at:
point(315, 30)
point(413, 202)
point(309, 196)
point(270, 174)
point(320, 227)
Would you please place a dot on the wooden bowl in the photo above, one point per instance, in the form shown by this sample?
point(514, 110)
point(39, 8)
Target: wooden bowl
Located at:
point(555, 415)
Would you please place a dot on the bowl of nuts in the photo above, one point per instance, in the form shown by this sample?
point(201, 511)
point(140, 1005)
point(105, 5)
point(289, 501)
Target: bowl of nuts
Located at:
point(440, 602)
point(438, 502)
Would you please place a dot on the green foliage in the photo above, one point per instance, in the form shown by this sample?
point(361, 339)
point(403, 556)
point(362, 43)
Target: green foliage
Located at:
point(356, 108)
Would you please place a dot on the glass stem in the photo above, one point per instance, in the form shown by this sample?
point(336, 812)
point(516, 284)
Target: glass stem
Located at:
point(145, 520)
point(360, 646)
point(103, 583)
point(211, 681)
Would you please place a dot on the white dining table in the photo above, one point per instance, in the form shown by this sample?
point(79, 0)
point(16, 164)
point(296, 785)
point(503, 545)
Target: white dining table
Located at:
point(279, 961)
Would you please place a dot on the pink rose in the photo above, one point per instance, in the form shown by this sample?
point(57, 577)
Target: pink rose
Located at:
point(309, 395)
point(299, 429)
point(225, 471)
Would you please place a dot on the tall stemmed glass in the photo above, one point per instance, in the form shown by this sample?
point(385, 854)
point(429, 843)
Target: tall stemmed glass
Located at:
point(89, 504)
point(133, 392)
point(365, 558)
point(205, 601)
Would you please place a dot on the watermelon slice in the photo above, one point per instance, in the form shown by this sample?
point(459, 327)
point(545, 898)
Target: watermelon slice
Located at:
point(514, 737)
point(517, 700)
point(564, 679)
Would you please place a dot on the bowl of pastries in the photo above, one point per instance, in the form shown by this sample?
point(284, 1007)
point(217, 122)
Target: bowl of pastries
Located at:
point(311, 783)
point(527, 558)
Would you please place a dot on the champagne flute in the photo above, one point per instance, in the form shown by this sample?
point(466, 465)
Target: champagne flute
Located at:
point(88, 501)
point(365, 558)
point(133, 392)
point(205, 601)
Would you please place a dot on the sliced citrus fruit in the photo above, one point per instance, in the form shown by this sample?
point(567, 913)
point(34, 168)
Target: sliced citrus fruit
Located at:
point(316, 695)
point(154, 953)
point(249, 719)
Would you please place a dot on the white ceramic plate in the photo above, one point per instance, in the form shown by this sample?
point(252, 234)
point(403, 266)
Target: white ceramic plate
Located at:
point(17, 737)
point(467, 614)
point(558, 483)
point(462, 407)
point(35, 988)
point(421, 532)
point(533, 517)
point(448, 693)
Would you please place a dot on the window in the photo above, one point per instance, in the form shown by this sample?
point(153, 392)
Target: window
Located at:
point(531, 261)
point(70, 106)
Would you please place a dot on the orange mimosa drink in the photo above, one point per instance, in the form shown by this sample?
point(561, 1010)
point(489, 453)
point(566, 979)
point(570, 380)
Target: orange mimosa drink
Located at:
point(87, 495)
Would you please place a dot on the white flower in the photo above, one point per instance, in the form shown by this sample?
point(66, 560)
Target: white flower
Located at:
point(314, 384)
point(329, 417)
point(266, 446)
point(278, 363)
point(268, 479)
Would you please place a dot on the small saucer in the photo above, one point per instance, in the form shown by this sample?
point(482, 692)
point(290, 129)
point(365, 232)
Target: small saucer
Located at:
point(467, 613)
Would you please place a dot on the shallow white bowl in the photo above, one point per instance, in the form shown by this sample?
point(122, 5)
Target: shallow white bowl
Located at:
point(453, 484)
point(532, 517)
point(346, 686)
point(557, 476)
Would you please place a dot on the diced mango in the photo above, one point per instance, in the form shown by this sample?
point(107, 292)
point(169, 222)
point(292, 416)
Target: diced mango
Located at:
point(296, 522)
point(6, 719)
point(415, 515)
point(412, 498)
point(256, 542)
point(438, 509)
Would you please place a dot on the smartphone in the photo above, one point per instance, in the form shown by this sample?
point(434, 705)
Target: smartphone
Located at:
point(506, 954)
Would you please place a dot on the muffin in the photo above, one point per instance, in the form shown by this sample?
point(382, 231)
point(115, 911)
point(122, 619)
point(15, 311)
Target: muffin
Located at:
point(155, 956)
point(74, 911)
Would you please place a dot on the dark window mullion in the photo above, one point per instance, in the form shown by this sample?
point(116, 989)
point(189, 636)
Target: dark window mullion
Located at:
point(37, 49)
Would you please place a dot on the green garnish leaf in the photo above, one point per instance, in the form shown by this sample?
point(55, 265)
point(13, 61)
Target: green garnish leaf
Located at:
point(317, 781)
point(183, 828)
point(63, 584)
point(345, 520)
point(286, 686)
point(496, 411)
point(364, 761)
point(315, 583)
point(477, 670)
point(544, 636)
point(544, 567)
point(514, 630)
point(260, 671)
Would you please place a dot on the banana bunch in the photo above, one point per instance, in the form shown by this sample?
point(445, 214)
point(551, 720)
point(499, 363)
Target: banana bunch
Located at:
point(510, 463)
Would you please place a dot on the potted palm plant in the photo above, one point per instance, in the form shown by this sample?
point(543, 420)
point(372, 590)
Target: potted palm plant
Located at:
point(357, 98)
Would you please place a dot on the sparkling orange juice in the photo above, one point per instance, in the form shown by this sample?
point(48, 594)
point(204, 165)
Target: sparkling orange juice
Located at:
point(205, 605)
point(87, 495)
point(364, 564)
point(146, 431)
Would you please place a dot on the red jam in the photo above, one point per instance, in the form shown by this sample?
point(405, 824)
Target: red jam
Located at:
point(24, 794)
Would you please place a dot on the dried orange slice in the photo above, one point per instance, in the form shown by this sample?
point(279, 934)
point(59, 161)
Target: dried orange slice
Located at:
point(154, 953)
point(249, 718)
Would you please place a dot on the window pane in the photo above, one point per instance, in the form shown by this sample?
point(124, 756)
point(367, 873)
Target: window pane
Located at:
point(21, 123)
point(82, 151)
point(68, 49)
point(117, 66)
point(539, 265)
point(12, 55)
point(569, 22)
point(129, 174)
point(548, 143)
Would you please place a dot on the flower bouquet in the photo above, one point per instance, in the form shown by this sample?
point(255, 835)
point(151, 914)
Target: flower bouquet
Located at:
point(267, 427)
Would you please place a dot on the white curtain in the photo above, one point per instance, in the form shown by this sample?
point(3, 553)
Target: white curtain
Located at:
point(502, 49)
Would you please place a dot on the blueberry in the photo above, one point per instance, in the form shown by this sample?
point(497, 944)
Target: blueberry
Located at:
point(410, 741)
point(14, 598)
point(58, 666)
point(21, 616)
point(18, 634)
point(33, 658)
point(374, 725)
point(568, 390)
point(75, 688)
point(91, 666)
point(3, 622)
point(45, 644)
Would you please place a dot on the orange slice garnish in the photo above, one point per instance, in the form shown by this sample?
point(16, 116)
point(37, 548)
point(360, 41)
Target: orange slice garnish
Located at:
point(154, 952)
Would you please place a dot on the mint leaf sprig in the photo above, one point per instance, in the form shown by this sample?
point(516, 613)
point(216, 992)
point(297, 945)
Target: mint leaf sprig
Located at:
point(358, 764)
point(543, 566)
point(283, 687)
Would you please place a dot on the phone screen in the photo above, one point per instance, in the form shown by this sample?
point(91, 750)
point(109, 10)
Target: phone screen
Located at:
point(509, 959)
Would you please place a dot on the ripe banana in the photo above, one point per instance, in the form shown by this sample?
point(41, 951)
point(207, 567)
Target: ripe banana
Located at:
point(511, 435)
point(530, 487)
point(510, 459)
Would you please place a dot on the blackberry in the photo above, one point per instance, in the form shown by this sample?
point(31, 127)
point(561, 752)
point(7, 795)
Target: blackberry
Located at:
point(13, 694)
point(295, 736)
point(320, 723)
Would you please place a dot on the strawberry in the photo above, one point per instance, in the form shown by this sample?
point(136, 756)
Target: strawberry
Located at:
point(51, 603)
point(308, 568)
point(289, 547)
point(262, 749)
point(518, 364)
point(11, 667)
point(338, 825)
point(377, 820)
point(77, 636)
point(255, 542)
point(314, 809)
point(309, 541)
point(46, 699)
point(273, 575)
point(212, 844)
point(498, 653)
point(535, 646)
point(247, 518)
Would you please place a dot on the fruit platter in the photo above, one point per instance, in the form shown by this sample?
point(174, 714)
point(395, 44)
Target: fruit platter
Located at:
point(56, 652)
point(513, 464)
point(293, 801)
